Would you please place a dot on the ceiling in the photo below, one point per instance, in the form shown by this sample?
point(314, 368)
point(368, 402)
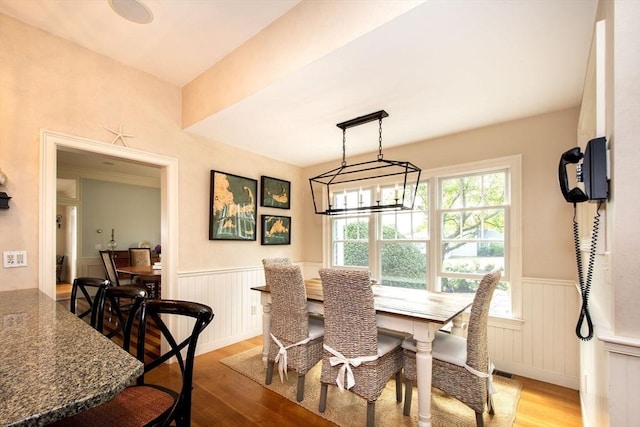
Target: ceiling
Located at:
point(441, 68)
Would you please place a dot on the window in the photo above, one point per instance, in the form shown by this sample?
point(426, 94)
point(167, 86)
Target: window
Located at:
point(465, 223)
point(403, 241)
point(351, 242)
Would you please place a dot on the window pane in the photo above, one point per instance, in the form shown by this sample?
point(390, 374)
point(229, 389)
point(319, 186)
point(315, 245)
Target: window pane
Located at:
point(351, 241)
point(471, 224)
point(461, 286)
point(494, 189)
point(472, 191)
point(451, 225)
point(350, 228)
point(500, 302)
point(493, 224)
point(355, 254)
point(404, 264)
point(451, 193)
point(472, 257)
point(407, 225)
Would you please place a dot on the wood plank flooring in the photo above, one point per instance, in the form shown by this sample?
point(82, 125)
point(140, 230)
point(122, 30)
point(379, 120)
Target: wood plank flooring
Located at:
point(222, 397)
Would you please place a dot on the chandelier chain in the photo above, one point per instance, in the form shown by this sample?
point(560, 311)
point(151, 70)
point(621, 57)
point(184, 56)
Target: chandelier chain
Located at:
point(380, 139)
point(344, 144)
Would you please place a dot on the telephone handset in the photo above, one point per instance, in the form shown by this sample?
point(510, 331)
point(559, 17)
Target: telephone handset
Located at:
point(593, 174)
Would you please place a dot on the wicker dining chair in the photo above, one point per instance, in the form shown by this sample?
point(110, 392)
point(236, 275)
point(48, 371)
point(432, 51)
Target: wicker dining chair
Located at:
point(296, 338)
point(276, 261)
point(351, 336)
point(461, 367)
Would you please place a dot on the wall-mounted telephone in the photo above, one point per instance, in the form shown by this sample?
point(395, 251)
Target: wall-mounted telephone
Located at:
point(593, 174)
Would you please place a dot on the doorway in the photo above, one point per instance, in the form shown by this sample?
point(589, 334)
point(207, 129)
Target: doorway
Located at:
point(66, 246)
point(50, 143)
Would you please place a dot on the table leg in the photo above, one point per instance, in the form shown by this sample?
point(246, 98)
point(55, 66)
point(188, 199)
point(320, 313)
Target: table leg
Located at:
point(458, 326)
point(265, 300)
point(424, 365)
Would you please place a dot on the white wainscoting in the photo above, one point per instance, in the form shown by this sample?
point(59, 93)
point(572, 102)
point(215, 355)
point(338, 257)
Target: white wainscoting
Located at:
point(91, 267)
point(237, 309)
point(542, 346)
point(545, 347)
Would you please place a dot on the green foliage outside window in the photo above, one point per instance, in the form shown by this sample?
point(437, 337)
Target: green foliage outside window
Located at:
point(472, 240)
point(403, 264)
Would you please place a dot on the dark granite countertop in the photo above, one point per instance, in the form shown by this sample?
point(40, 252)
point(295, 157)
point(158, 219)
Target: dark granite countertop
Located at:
point(52, 364)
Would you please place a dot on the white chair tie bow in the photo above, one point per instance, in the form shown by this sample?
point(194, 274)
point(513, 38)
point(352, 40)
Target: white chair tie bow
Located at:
point(489, 376)
point(345, 369)
point(281, 357)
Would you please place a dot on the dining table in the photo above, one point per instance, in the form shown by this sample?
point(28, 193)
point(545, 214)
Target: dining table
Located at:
point(414, 312)
point(52, 363)
point(149, 273)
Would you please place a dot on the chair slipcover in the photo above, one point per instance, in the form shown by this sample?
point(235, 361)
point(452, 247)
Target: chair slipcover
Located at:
point(461, 367)
point(296, 339)
point(356, 356)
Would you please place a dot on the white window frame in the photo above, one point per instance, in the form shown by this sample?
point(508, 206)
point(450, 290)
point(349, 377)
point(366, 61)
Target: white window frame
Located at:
point(513, 237)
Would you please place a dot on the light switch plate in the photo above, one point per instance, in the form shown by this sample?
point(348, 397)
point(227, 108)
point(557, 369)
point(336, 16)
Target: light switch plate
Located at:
point(14, 259)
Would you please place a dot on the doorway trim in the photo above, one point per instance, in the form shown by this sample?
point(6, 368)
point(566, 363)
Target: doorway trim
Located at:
point(49, 143)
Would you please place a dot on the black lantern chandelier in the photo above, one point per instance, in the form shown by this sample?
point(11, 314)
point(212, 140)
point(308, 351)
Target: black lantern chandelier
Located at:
point(373, 186)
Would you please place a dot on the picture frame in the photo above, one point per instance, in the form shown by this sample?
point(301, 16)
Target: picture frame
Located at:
point(232, 207)
point(275, 193)
point(276, 230)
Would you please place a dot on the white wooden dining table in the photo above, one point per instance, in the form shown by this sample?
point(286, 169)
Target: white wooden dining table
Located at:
point(416, 312)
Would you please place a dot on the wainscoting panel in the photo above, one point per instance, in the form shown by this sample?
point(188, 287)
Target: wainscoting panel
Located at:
point(91, 267)
point(237, 309)
point(545, 347)
point(542, 346)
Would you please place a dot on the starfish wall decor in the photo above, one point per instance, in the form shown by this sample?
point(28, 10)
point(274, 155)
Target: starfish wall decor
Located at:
point(119, 135)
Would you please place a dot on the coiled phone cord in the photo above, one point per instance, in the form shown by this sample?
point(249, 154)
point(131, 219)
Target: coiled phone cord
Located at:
point(585, 286)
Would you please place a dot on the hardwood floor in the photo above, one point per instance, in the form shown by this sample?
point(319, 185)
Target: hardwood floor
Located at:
point(222, 397)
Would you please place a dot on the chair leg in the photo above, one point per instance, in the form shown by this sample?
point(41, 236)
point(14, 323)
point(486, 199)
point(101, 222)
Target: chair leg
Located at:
point(490, 403)
point(408, 392)
point(323, 397)
point(399, 386)
point(371, 414)
point(300, 395)
point(479, 420)
point(269, 376)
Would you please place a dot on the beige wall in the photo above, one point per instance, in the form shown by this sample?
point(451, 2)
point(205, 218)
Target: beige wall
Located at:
point(49, 83)
point(547, 233)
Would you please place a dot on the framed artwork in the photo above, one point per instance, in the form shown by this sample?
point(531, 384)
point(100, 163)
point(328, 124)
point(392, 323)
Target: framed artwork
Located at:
point(276, 230)
point(232, 207)
point(275, 193)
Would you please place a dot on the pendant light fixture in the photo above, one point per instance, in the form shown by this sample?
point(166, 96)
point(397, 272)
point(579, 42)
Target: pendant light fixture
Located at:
point(373, 186)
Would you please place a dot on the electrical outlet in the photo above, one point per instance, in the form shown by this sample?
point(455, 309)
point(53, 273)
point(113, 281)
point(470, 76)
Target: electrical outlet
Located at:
point(253, 310)
point(14, 259)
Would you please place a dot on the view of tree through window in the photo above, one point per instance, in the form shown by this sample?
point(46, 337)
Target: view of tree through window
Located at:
point(457, 228)
point(472, 217)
